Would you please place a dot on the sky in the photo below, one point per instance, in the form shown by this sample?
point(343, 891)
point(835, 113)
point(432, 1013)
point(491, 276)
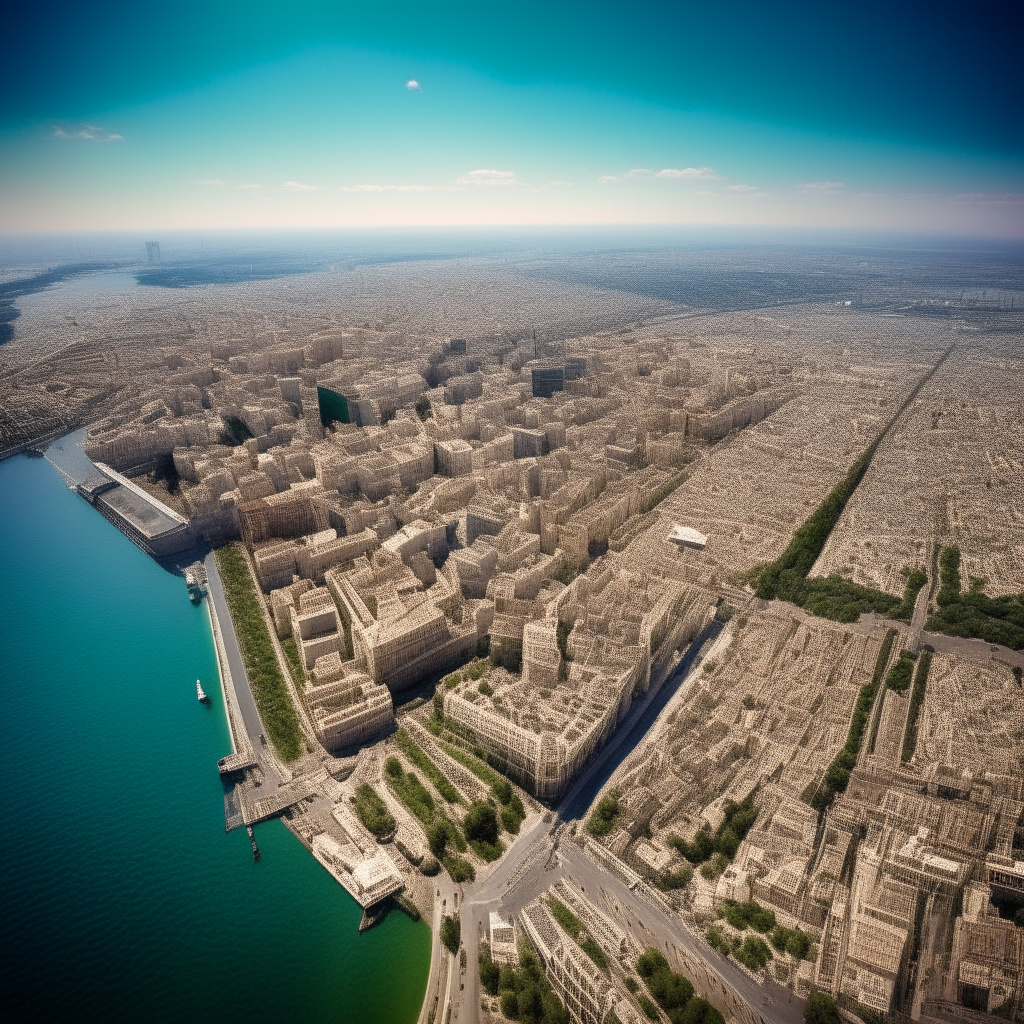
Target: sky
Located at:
point(219, 115)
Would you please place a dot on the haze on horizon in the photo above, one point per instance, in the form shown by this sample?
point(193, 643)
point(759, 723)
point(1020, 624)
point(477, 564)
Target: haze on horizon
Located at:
point(260, 115)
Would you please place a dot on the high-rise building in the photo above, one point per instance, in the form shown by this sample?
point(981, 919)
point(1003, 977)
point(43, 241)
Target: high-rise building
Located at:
point(547, 379)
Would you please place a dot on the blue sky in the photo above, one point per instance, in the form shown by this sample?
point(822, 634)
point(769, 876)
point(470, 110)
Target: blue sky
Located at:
point(231, 115)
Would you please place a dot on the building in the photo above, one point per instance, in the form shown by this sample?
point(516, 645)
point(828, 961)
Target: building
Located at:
point(547, 380)
point(401, 631)
point(368, 879)
point(454, 458)
point(143, 519)
point(346, 706)
point(503, 940)
point(687, 537)
point(584, 991)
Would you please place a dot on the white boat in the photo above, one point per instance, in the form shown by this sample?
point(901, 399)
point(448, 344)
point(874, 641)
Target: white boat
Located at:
point(201, 693)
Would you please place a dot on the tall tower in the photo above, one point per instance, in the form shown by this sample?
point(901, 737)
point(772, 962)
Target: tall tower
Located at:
point(153, 252)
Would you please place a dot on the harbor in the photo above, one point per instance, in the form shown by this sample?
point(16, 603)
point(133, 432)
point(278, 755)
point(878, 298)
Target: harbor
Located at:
point(152, 880)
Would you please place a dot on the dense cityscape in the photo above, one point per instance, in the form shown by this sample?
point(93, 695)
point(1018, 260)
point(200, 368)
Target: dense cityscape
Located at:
point(451, 576)
point(512, 515)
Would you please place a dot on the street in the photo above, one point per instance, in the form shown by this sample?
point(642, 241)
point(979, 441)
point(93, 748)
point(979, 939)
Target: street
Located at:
point(539, 857)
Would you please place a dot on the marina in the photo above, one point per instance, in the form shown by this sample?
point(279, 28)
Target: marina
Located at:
point(152, 880)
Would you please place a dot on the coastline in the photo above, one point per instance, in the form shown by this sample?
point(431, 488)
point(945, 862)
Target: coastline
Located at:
point(223, 671)
point(128, 900)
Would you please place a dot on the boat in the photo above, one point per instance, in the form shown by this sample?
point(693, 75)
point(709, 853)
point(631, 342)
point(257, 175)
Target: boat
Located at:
point(195, 580)
point(201, 693)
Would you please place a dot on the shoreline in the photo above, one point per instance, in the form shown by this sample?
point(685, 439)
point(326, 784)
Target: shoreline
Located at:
point(223, 670)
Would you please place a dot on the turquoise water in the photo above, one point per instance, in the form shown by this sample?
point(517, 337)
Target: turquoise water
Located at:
point(123, 897)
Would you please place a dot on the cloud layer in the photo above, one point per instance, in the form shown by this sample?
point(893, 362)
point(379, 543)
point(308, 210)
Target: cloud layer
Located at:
point(488, 176)
point(85, 133)
point(692, 173)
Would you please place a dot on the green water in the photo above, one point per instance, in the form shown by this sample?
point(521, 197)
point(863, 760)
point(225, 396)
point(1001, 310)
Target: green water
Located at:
point(123, 898)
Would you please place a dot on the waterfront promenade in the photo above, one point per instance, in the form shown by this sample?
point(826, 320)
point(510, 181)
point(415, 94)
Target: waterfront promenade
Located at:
point(541, 855)
point(243, 717)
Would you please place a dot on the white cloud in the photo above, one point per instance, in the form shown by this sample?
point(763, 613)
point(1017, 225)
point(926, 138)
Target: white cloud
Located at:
point(85, 132)
point(400, 188)
point(386, 188)
point(614, 179)
point(825, 188)
point(488, 176)
point(413, 86)
point(692, 173)
point(560, 183)
point(297, 186)
point(746, 191)
point(251, 185)
point(208, 181)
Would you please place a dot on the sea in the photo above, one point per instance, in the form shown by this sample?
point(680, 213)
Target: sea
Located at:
point(123, 897)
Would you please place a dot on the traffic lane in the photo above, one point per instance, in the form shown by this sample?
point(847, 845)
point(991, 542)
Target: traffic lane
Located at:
point(476, 910)
point(769, 1000)
point(444, 890)
point(626, 739)
point(244, 700)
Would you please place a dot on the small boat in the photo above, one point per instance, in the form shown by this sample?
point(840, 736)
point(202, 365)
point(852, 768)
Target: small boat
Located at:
point(195, 580)
point(201, 693)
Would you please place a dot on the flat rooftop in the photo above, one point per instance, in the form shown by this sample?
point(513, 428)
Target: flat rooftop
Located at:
point(145, 517)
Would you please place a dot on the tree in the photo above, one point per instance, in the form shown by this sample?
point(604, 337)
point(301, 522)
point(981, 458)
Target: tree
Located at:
point(451, 934)
point(649, 961)
point(502, 791)
point(510, 1004)
point(554, 1011)
point(696, 1011)
point(489, 974)
point(373, 812)
point(821, 1009)
point(605, 816)
point(728, 842)
point(531, 1002)
point(437, 838)
point(481, 824)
